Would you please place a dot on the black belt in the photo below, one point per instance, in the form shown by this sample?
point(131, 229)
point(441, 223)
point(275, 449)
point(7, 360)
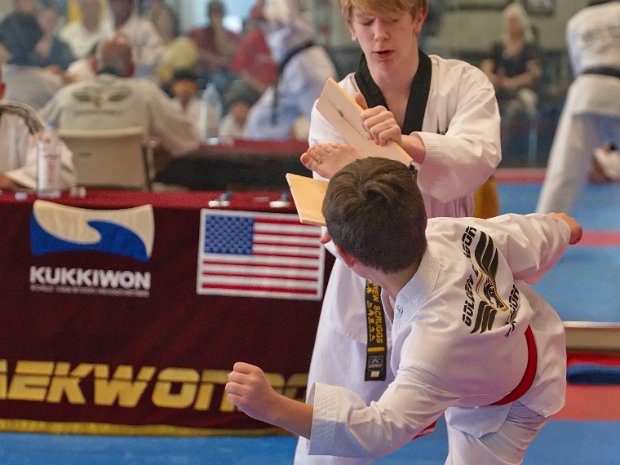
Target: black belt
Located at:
point(603, 71)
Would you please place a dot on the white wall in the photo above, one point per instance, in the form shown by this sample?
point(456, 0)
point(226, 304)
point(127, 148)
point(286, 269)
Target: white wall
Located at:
point(193, 13)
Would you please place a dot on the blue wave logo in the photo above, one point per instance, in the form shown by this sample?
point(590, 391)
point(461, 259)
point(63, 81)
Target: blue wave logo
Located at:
point(59, 228)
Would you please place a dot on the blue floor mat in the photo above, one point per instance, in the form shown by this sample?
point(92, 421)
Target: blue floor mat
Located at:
point(581, 286)
point(597, 208)
point(560, 442)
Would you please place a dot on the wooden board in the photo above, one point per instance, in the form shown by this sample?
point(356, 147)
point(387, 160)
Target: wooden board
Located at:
point(343, 112)
point(308, 194)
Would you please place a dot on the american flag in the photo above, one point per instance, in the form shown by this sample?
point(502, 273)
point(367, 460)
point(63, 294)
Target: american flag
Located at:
point(259, 255)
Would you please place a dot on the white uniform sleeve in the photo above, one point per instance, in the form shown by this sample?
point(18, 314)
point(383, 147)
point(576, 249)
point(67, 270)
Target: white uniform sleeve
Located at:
point(467, 154)
point(531, 244)
point(178, 133)
point(343, 425)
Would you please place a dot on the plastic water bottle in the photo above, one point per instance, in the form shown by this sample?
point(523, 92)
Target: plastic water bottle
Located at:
point(48, 163)
point(210, 114)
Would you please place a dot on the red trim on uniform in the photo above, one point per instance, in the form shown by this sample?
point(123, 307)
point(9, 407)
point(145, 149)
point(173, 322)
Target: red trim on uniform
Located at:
point(429, 429)
point(530, 371)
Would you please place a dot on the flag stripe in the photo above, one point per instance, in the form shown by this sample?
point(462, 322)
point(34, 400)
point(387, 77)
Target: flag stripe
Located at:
point(259, 276)
point(216, 264)
point(263, 260)
point(269, 289)
point(309, 241)
point(261, 282)
point(278, 228)
point(259, 271)
point(281, 250)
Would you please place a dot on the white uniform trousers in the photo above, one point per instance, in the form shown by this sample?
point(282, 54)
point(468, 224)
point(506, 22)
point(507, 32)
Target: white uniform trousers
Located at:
point(580, 131)
point(506, 446)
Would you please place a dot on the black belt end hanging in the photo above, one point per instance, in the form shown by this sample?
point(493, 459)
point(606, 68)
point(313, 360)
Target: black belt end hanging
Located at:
point(376, 346)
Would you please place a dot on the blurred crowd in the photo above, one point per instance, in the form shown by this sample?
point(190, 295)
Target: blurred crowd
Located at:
point(44, 47)
point(112, 64)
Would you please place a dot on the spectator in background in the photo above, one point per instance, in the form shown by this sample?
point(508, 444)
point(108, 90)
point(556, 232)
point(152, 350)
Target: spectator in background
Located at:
point(146, 44)
point(184, 88)
point(15, 38)
point(253, 61)
point(591, 114)
point(51, 52)
point(513, 66)
point(303, 68)
point(19, 126)
point(82, 68)
point(26, 83)
point(239, 99)
point(115, 99)
point(217, 45)
point(180, 52)
point(83, 34)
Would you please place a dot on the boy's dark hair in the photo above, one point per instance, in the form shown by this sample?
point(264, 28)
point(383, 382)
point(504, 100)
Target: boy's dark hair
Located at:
point(374, 211)
point(184, 75)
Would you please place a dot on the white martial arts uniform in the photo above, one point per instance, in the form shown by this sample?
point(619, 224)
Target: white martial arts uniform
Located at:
point(111, 102)
point(591, 114)
point(19, 125)
point(459, 345)
point(461, 133)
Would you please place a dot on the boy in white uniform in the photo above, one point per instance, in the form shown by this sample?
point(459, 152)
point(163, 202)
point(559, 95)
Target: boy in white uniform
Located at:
point(469, 338)
point(454, 139)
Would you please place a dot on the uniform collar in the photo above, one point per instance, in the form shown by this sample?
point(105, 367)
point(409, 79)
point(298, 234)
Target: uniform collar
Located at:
point(419, 288)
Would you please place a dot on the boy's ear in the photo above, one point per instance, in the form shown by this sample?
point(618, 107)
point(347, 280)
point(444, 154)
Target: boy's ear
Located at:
point(353, 34)
point(349, 260)
point(418, 21)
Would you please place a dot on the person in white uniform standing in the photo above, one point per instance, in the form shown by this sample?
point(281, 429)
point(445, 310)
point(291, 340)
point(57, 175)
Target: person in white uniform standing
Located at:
point(445, 115)
point(469, 339)
point(591, 114)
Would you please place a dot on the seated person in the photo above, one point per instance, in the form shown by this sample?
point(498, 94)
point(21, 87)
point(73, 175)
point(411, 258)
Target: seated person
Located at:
point(114, 99)
point(19, 126)
point(303, 69)
point(513, 66)
point(179, 52)
point(146, 44)
point(184, 89)
point(239, 99)
point(253, 62)
point(84, 33)
point(216, 46)
point(26, 82)
point(51, 51)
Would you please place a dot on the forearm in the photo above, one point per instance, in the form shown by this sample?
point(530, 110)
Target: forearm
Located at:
point(249, 390)
point(293, 416)
point(414, 146)
point(526, 79)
